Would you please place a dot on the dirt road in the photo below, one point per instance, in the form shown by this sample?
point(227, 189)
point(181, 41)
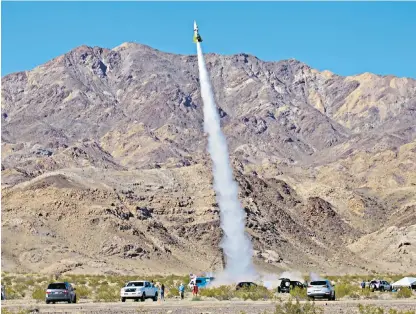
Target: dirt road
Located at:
point(200, 307)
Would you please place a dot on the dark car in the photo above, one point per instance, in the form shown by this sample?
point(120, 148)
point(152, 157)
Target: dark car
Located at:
point(245, 284)
point(60, 292)
point(286, 285)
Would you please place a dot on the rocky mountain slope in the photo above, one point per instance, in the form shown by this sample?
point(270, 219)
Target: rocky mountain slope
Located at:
point(104, 164)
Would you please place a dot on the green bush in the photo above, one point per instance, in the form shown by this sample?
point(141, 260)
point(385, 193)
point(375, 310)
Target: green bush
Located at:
point(404, 293)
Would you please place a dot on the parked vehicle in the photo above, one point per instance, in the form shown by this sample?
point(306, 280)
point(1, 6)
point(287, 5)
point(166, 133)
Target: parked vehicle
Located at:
point(283, 285)
point(321, 289)
point(139, 290)
point(380, 285)
point(60, 292)
point(245, 284)
point(3, 293)
point(286, 285)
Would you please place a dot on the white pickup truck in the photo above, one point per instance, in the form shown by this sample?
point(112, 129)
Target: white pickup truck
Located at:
point(139, 290)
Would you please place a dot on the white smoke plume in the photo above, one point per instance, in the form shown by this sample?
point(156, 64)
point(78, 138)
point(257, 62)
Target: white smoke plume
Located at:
point(315, 277)
point(236, 245)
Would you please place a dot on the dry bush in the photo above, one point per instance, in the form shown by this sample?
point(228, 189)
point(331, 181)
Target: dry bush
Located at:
point(346, 289)
point(107, 294)
point(38, 294)
point(297, 308)
point(371, 309)
point(404, 293)
point(298, 293)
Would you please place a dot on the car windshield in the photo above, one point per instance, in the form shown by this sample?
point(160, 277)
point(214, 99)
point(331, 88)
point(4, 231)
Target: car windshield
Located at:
point(57, 286)
point(135, 284)
point(318, 283)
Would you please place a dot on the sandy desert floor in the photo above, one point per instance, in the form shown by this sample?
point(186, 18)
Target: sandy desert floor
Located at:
point(201, 307)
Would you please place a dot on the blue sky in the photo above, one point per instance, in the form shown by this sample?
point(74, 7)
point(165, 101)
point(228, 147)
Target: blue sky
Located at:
point(345, 37)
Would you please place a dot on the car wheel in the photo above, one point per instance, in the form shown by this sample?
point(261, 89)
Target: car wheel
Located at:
point(155, 297)
point(123, 299)
point(278, 290)
point(69, 300)
point(47, 301)
point(143, 297)
point(310, 298)
point(75, 298)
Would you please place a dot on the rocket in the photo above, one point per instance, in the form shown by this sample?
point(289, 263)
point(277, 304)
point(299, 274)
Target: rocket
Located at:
point(197, 37)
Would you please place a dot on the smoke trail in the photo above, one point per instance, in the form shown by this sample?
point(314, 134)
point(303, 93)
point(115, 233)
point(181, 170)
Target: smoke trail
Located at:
point(236, 245)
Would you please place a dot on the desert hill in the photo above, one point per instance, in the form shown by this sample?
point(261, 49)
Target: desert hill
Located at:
point(105, 168)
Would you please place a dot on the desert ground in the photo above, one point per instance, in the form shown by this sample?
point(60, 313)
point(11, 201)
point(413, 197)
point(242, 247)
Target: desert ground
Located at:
point(201, 307)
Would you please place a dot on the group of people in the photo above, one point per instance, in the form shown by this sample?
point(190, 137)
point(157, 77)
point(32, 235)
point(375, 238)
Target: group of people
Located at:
point(181, 289)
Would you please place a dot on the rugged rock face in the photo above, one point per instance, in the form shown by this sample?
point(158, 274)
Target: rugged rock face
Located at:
point(104, 163)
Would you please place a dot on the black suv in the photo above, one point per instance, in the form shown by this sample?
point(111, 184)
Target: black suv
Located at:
point(245, 284)
point(286, 285)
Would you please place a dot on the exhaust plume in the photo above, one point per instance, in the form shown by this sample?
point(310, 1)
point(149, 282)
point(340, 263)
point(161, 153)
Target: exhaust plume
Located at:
point(236, 245)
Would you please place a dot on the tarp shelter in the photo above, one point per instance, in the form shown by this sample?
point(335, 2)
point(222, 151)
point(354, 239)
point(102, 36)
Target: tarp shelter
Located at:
point(405, 282)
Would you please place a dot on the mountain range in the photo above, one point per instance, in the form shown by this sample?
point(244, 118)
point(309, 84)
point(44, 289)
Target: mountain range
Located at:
point(105, 166)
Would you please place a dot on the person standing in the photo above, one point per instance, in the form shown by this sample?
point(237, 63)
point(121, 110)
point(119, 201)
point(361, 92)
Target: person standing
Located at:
point(181, 291)
point(162, 292)
point(195, 290)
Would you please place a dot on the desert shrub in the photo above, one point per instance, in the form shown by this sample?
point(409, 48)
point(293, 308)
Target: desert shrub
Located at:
point(83, 292)
point(298, 293)
point(93, 281)
point(7, 280)
point(20, 311)
point(404, 293)
point(196, 299)
point(12, 293)
point(220, 293)
point(296, 308)
point(371, 309)
point(345, 289)
point(172, 292)
point(38, 294)
point(107, 294)
point(30, 282)
point(394, 311)
point(366, 293)
point(253, 293)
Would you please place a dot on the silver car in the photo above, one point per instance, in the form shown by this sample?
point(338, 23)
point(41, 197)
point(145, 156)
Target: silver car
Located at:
point(321, 289)
point(60, 292)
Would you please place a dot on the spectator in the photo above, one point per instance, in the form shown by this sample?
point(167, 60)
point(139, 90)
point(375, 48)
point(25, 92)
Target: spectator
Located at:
point(181, 291)
point(195, 290)
point(162, 292)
